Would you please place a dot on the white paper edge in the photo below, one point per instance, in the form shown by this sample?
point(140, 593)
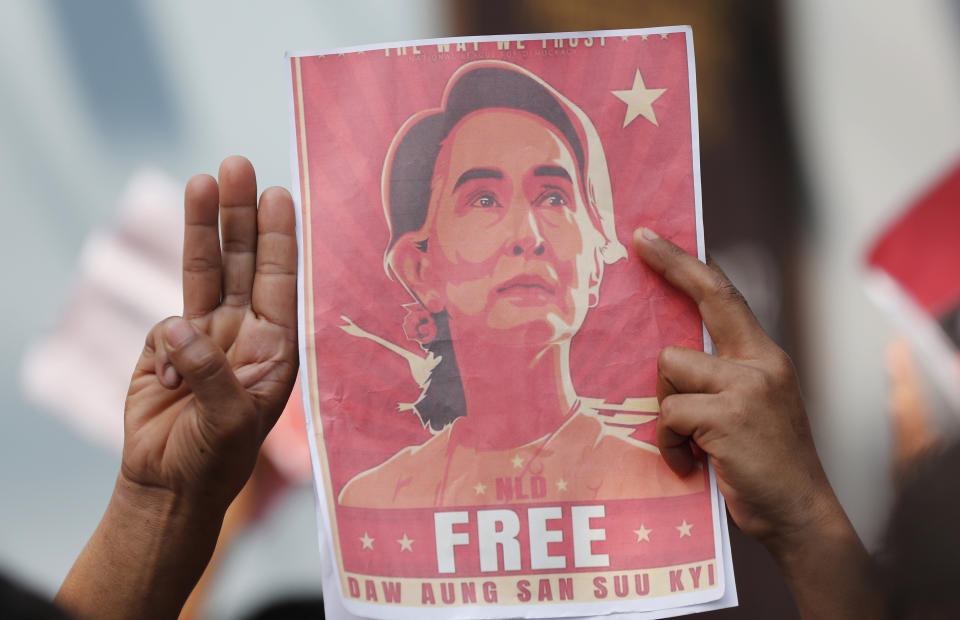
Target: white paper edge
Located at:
point(537, 36)
point(721, 534)
point(713, 598)
point(324, 535)
point(938, 355)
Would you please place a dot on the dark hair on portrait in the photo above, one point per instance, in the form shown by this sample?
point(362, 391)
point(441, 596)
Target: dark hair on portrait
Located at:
point(414, 157)
point(409, 170)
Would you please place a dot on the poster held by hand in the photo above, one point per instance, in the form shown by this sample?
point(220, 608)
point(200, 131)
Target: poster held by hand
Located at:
point(478, 345)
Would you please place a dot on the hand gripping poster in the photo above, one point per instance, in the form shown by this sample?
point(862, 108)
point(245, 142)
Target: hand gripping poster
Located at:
point(478, 340)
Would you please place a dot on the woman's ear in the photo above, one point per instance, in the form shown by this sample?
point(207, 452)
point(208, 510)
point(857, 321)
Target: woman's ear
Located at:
point(411, 263)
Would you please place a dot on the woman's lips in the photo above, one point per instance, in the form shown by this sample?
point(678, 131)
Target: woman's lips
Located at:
point(526, 282)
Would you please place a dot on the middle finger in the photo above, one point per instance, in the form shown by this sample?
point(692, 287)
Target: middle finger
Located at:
point(238, 229)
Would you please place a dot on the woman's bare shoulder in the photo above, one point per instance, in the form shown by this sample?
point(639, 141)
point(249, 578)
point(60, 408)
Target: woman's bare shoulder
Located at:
point(636, 468)
point(400, 475)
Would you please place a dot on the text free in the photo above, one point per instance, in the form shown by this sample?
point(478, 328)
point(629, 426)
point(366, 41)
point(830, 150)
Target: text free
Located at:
point(500, 527)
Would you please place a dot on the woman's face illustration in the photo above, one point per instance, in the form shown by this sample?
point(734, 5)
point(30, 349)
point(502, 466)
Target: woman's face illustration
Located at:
point(511, 244)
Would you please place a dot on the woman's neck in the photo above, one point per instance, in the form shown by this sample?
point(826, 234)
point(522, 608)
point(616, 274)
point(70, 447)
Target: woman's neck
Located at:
point(513, 395)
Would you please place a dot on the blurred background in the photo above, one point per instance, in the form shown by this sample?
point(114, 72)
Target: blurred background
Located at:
point(820, 121)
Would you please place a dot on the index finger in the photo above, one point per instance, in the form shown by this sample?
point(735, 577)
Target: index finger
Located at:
point(731, 324)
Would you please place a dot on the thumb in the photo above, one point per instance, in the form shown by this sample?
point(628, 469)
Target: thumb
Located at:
point(206, 371)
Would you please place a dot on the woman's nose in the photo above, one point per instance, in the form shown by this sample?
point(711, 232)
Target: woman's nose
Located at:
point(528, 239)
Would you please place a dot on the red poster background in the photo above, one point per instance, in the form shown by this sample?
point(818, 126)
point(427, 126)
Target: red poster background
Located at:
point(353, 104)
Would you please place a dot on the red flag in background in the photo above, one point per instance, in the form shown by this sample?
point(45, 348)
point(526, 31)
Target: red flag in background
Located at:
point(914, 270)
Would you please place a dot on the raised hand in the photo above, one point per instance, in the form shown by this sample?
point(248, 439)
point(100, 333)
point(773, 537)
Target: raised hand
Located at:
point(206, 390)
point(208, 387)
point(744, 408)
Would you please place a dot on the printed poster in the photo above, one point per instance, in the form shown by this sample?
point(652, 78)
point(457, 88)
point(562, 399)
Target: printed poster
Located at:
point(478, 340)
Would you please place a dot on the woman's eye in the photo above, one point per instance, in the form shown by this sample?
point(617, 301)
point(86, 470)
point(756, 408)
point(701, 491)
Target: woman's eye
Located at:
point(485, 202)
point(553, 199)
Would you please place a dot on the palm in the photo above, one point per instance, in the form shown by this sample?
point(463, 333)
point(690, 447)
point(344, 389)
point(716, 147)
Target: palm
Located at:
point(241, 302)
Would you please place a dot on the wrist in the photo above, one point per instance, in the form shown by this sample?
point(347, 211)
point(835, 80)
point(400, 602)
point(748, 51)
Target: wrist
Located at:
point(166, 538)
point(158, 512)
point(204, 502)
point(820, 523)
point(145, 557)
point(825, 565)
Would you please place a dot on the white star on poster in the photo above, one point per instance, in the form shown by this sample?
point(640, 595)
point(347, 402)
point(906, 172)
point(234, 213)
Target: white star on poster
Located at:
point(561, 485)
point(643, 533)
point(366, 542)
point(664, 35)
point(639, 100)
point(406, 544)
point(684, 528)
point(517, 462)
point(480, 488)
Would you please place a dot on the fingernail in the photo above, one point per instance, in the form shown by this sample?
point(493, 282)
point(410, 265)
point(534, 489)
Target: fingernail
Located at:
point(644, 235)
point(179, 332)
point(170, 376)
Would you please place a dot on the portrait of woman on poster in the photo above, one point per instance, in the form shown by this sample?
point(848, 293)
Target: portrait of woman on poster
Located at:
point(501, 221)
